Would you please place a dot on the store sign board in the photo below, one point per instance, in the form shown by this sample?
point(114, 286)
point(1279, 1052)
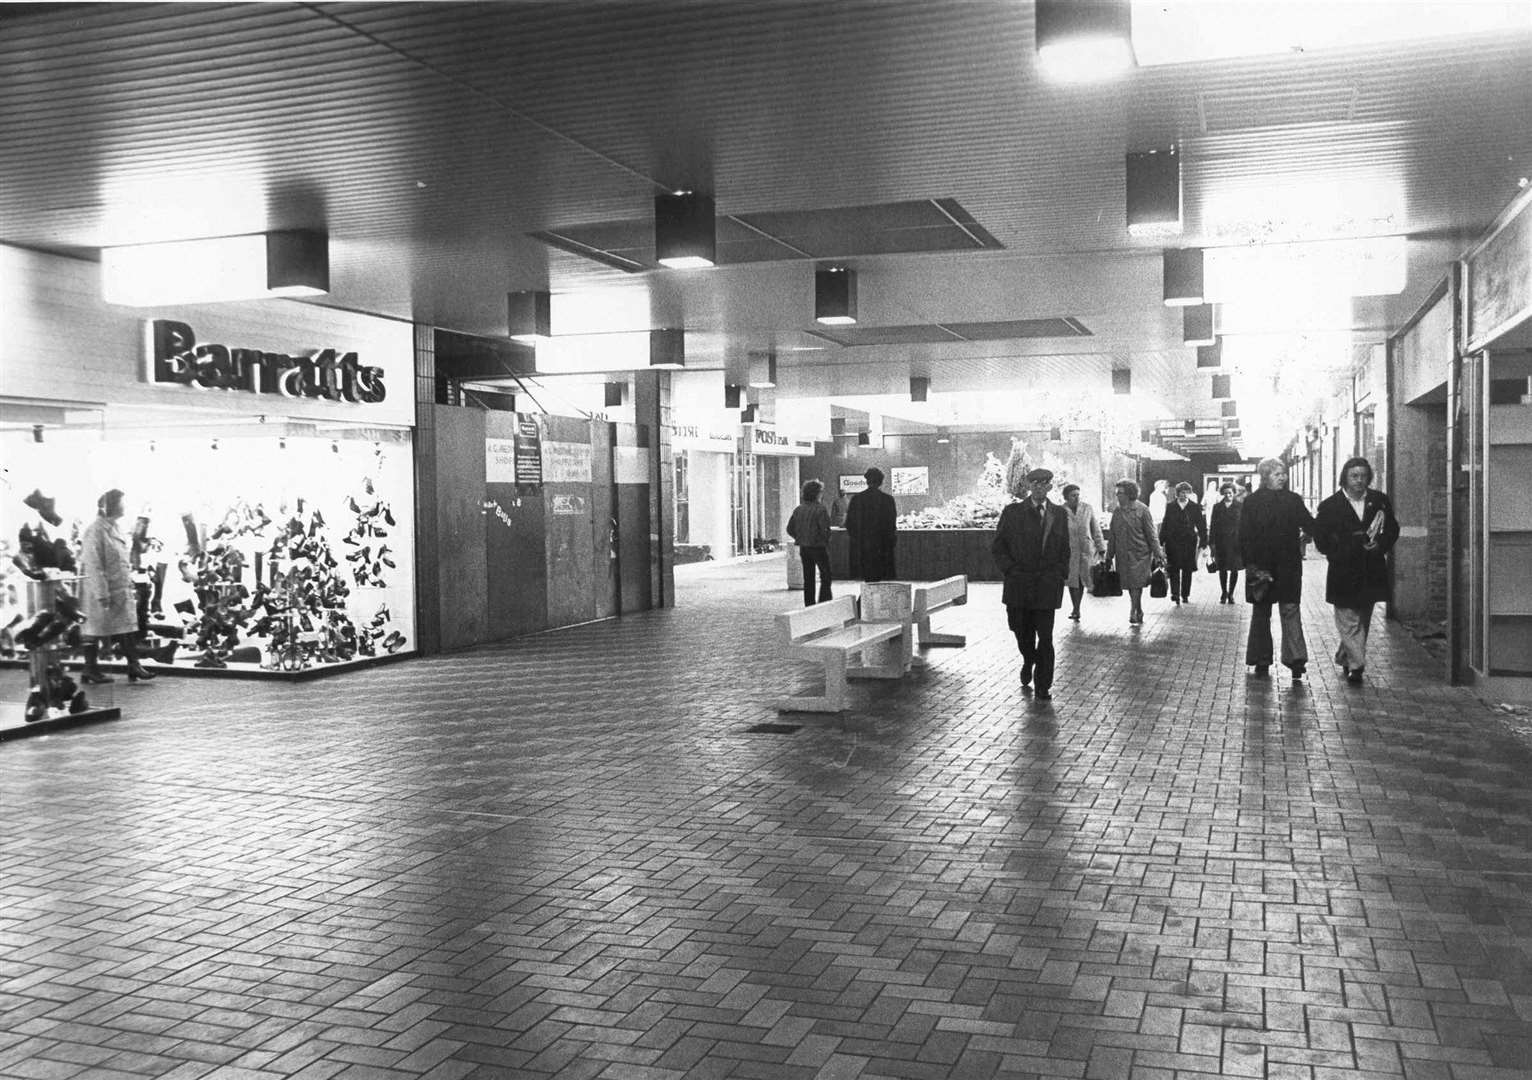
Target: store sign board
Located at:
point(1500, 276)
point(767, 440)
point(699, 437)
point(176, 357)
point(911, 481)
point(852, 484)
point(500, 461)
point(528, 452)
point(566, 463)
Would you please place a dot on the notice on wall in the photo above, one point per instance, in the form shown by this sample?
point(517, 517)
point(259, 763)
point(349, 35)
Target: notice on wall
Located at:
point(911, 481)
point(566, 463)
point(500, 461)
point(568, 505)
point(529, 453)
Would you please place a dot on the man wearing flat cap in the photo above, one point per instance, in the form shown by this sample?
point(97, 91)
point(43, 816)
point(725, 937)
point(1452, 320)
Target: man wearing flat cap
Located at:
point(1031, 550)
point(872, 520)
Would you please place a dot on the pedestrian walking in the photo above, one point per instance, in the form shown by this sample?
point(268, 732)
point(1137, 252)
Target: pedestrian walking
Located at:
point(1223, 539)
point(1183, 533)
point(1357, 530)
point(1031, 549)
point(1086, 545)
point(1271, 527)
point(1133, 546)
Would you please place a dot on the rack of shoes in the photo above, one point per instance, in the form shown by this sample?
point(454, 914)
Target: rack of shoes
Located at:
point(54, 626)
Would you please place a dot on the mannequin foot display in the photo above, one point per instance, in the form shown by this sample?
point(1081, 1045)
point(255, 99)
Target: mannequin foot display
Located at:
point(44, 507)
point(210, 660)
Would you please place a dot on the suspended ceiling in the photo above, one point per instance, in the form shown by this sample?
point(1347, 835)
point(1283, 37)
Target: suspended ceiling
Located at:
point(448, 148)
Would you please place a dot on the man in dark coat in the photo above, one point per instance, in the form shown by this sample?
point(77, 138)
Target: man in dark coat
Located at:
point(1031, 550)
point(1183, 531)
point(872, 524)
point(1271, 524)
point(1357, 530)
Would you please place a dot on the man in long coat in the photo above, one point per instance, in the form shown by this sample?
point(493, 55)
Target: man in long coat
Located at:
point(872, 522)
point(1357, 530)
point(1031, 550)
point(1271, 524)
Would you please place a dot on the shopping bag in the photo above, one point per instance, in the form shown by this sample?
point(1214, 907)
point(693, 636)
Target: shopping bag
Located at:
point(1104, 581)
point(1159, 584)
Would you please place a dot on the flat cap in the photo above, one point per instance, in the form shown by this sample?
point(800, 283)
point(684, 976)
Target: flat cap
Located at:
point(1038, 475)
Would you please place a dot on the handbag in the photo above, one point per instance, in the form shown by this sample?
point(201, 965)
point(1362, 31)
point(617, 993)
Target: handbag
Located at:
point(1212, 565)
point(1159, 584)
point(1104, 581)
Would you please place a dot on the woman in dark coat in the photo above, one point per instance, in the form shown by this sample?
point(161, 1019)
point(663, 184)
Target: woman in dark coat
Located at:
point(1357, 530)
point(1271, 527)
point(1182, 532)
point(1223, 533)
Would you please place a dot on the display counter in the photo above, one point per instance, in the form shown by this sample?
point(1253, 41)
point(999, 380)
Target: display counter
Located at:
point(925, 554)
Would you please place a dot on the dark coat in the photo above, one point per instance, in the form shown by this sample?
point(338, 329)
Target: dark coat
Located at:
point(872, 522)
point(1223, 535)
point(1182, 532)
point(1356, 577)
point(1032, 552)
point(1271, 524)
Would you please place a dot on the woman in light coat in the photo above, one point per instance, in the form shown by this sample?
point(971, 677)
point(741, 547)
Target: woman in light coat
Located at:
point(1134, 546)
point(109, 603)
point(1086, 545)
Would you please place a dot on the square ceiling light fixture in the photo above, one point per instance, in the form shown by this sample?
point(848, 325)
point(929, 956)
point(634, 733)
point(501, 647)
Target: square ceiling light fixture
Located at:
point(1084, 40)
point(1154, 193)
point(1210, 356)
point(1221, 386)
point(1122, 381)
point(1197, 325)
point(684, 230)
point(1182, 276)
point(530, 316)
point(835, 296)
point(920, 386)
point(613, 393)
point(763, 370)
point(667, 348)
point(251, 267)
point(733, 394)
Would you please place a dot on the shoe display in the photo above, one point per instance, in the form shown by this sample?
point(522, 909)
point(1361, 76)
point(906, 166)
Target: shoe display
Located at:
point(141, 674)
point(44, 507)
point(95, 678)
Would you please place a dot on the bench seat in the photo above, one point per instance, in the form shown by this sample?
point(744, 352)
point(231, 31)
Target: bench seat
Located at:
point(830, 634)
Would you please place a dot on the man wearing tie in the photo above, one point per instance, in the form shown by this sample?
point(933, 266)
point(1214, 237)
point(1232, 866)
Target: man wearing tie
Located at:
point(1031, 550)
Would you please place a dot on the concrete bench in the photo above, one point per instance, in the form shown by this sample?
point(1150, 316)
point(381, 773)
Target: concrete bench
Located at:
point(934, 596)
point(832, 633)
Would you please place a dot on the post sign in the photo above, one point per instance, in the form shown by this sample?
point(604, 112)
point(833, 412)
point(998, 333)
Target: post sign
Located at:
point(767, 440)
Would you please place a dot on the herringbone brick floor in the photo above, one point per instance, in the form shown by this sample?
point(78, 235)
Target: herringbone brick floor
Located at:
point(566, 856)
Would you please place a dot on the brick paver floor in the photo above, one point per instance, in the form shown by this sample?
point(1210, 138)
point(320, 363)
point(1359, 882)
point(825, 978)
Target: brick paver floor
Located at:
point(568, 856)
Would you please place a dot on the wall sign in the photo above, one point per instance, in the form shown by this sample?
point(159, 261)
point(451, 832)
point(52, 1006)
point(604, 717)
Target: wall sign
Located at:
point(568, 505)
point(767, 440)
point(566, 463)
point(528, 452)
point(697, 437)
point(915, 480)
point(499, 461)
point(852, 484)
point(176, 357)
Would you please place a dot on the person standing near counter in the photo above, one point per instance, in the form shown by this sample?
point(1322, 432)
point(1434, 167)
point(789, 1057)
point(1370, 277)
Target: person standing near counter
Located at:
point(872, 521)
point(810, 529)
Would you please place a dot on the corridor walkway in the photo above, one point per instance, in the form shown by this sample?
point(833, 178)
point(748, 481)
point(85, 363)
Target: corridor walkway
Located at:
point(569, 856)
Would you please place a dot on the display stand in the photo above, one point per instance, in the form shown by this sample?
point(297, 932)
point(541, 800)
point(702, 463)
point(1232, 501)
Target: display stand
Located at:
point(54, 700)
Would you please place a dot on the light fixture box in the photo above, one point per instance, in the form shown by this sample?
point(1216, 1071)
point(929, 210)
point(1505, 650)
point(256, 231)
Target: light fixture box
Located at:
point(255, 266)
point(1220, 386)
point(1210, 356)
point(614, 393)
point(667, 348)
point(835, 296)
point(530, 316)
point(1122, 381)
point(1083, 40)
point(1154, 193)
point(763, 370)
point(1231, 408)
point(919, 387)
point(732, 394)
point(1197, 325)
point(685, 230)
point(1182, 276)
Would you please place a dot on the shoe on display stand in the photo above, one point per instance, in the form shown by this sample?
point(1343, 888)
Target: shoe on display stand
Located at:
point(44, 507)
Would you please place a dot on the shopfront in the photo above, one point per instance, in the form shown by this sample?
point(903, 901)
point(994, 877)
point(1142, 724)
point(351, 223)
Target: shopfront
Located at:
point(265, 452)
point(706, 454)
point(771, 460)
point(1490, 413)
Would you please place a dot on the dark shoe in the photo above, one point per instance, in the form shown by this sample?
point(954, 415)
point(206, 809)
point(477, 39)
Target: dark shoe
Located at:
point(1075, 615)
point(44, 507)
point(141, 674)
point(1043, 695)
point(1026, 674)
point(1298, 668)
point(1262, 670)
point(1175, 599)
point(95, 678)
point(1354, 676)
point(166, 653)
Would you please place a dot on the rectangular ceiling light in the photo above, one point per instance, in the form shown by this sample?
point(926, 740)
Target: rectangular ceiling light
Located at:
point(835, 296)
point(1197, 325)
point(685, 230)
point(1083, 40)
point(529, 316)
point(1122, 381)
point(1183, 31)
point(1182, 276)
point(613, 393)
point(763, 370)
point(732, 394)
point(667, 348)
point(250, 267)
point(1221, 386)
point(1154, 193)
point(920, 386)
point(1210, 356)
